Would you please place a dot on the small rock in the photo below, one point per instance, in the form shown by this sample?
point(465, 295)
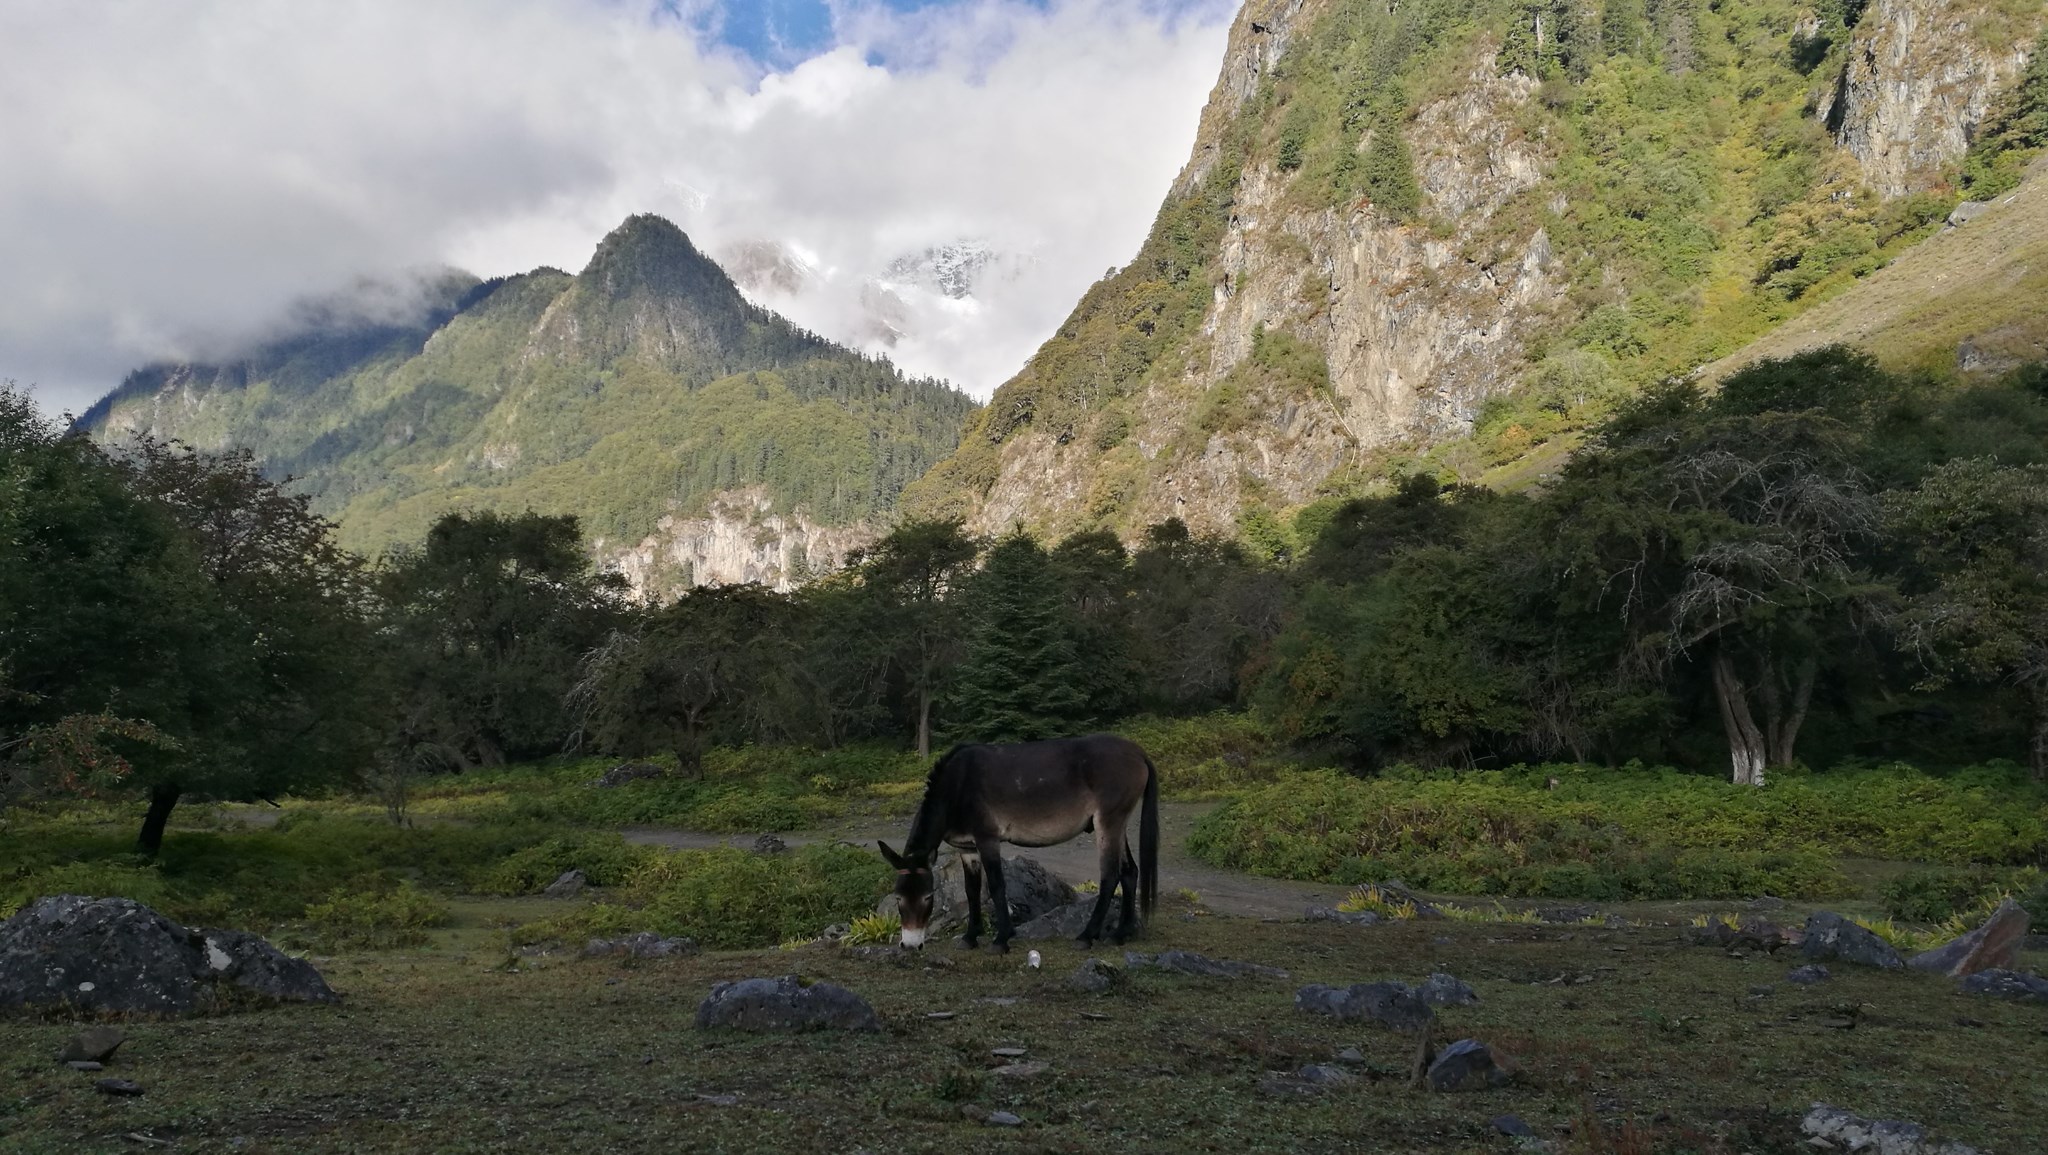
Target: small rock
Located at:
point(1188, 962)
point(1019, 1070)
point(1878, 1136)
point(1094, 976)
point(1003, 1119)
point(1751, 934)
point(1511, 1125)
point(83, 1065)
point(706, 1099)
point(1467, 1065)
point(1808, 975)
point(1389, 1004)
point(1761, 991)
point(640, 944)
point(92, 1045)
point(118, 1087)
point(1351, 1055)
point(1332, 914)
point(1095, 1016)
point(998, 1000)
point(785, 1004)
point(1567, 914)
point(2000, 984)
point(1965, 212)
point(1324, 1075)
point(770, 844)
point(1443, 990)
point(1830, 936)
point(1991, 946)
point(568, 884)
point(1009, 1052)
point(940, 1016)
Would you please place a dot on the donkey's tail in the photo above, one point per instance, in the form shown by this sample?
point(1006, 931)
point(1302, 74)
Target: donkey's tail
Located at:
point(1148, 841)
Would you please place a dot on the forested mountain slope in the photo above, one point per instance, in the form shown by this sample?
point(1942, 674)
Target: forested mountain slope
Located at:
point(1464, 230)
point(698, 437)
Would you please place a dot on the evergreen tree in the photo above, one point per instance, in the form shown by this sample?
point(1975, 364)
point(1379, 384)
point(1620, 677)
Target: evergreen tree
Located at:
point(1025, 677)
point(1389, 172)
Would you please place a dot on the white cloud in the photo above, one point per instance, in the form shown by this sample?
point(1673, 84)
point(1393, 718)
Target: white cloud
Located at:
point(177, 174)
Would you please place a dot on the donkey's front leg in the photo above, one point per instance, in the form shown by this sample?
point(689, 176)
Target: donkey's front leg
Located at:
point(998, 895)
point(970, 876)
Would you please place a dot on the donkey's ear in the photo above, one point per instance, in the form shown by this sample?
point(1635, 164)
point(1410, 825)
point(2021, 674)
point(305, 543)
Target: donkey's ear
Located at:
point(895, 859)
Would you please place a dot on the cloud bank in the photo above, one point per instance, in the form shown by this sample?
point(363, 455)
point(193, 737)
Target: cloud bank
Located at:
point(179, 174)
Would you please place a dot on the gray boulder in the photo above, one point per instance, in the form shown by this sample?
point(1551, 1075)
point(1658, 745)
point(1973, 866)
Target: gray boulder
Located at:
point(1070, 920)
point(1808, 975)
point(1831, 937)
point(770, 844)
point(1442, 990)
point(567, 884)
point(1389, 1004)
point(1966, 211)
point(1094, 977)
point(1032, 890)
point(2002, 984)
point(116, 955)
point(1992, 946)
point(93, 1045)
point(785, 1004)
point(640, 944)
point(1874, 1136)
point(1467, 1065)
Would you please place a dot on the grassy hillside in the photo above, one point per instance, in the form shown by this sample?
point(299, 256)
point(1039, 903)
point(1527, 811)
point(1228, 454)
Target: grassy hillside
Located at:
point(637, 388)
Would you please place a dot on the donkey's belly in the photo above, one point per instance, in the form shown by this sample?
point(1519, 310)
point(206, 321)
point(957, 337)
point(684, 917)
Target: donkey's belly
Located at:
point(1044, 829)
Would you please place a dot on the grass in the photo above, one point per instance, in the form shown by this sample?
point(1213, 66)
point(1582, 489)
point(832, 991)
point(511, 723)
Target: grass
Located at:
point(448, 1048)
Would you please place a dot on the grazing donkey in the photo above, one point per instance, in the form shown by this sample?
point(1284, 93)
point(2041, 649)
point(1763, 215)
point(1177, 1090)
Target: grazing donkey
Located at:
point(1031, 794)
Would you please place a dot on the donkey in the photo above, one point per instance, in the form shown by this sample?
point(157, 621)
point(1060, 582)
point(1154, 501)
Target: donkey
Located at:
point(1031, 794)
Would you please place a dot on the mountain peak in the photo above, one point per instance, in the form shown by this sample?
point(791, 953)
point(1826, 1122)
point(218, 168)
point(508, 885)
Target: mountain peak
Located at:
point(648, 254)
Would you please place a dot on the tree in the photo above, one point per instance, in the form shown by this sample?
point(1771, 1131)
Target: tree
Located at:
point(488, 620)
point(1980, 529)
point(1727, 533)
point(1094, 574)
point(706, 668)
point(1202, 610)
point(1024, 677)
point(916, 573)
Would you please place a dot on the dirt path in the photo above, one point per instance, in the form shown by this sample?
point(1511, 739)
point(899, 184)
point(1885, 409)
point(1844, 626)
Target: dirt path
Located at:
point(1223, 891)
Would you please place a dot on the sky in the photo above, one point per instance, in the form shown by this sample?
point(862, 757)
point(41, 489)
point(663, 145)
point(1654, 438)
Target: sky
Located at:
point(178, 175)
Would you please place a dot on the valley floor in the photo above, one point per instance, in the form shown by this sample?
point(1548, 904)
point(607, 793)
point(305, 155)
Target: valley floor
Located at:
point(1628, 1039)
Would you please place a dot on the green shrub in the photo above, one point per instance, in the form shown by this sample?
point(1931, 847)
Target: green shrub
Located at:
point(375, 920)
point(1209, 756)
point(95, 879)
point(604, 859)
point(730, 899)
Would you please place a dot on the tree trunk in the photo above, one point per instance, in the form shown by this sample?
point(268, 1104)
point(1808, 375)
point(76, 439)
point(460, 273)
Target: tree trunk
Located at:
point(161, 800)
point(1784, 726)
point(2037, 756)
point(924, 724)
point(1745, 742)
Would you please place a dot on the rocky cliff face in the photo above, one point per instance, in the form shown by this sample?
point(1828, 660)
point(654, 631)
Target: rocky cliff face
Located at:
point(740, 538)
point(1919, 78)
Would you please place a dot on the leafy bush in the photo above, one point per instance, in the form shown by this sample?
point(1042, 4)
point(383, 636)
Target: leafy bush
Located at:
point(95, 879)
point(1210, 756)
point(374, 920)
point(604, 859)
point(873, 930)
point(730, 899)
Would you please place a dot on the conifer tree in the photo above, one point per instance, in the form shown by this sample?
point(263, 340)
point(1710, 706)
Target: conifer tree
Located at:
point(1024, 677)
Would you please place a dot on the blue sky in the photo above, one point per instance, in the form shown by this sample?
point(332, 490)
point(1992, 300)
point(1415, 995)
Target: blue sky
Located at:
point(777, 33)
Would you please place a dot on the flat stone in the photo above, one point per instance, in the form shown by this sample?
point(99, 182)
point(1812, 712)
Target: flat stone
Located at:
point(640, 944)
point(1003, 1119)
point(1324, 1074)
point(1830, 937)
point(1467, 1065)
point(1009, 1052)
point(1443, 990)
point(1808, 975)
point(785, 1004)
point(1999, 984)
point(1874, 1136)
point(940, 1016)
point(1388, 1003)
point(1332, 914)
point(92, 1045)
point(1992, 946)
point(1511, 1125)
point(1020, 1070)
point(1189, 963)
point(118, 1087)
point(568, 884)
point(84, 1065)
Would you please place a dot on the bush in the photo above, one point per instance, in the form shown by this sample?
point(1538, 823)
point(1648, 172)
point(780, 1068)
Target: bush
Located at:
point(604, 859)
point(373, 920)
point(731, 899)
point(1210, 756)
point(1490, 834)
point(98, 879)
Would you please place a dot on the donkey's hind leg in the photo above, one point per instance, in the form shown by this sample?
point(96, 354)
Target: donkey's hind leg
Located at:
point(1128, 924)
point(1109, 844)
point(970, 876)
point(998, 894)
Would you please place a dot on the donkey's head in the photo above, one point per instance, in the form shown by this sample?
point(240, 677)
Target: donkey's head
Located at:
point(913, 893)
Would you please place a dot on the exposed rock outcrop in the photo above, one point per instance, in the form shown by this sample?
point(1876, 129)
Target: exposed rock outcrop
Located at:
point(740, 538)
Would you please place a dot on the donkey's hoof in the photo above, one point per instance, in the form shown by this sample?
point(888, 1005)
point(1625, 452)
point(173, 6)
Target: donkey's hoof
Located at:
point(1000, 947)
point(1085, 941)
point(965, 943)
